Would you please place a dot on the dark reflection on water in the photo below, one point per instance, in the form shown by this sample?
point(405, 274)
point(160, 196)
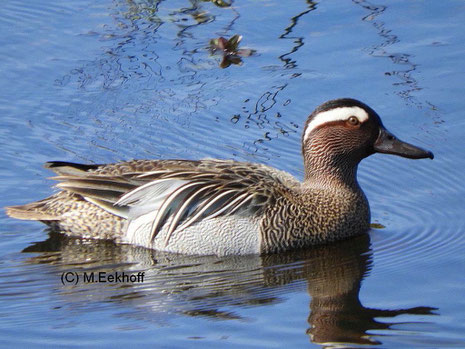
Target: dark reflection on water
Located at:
point(405, 65)
point(290, 63)
point(217, 288)
point(266, 112)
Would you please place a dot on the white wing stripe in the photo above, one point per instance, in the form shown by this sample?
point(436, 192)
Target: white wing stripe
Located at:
point(181, 210)
point(131, 197)
point(151, 173)
point(168, 201)
point(194, 218)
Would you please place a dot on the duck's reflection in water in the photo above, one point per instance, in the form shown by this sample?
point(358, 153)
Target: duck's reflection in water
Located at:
point(218, 287)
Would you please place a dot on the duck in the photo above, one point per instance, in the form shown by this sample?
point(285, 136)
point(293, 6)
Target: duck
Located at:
point(227, 207)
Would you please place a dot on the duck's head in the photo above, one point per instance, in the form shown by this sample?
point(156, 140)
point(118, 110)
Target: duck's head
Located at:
point(341, 132)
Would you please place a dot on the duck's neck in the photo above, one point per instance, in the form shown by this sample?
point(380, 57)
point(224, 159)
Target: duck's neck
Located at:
point(330, 172)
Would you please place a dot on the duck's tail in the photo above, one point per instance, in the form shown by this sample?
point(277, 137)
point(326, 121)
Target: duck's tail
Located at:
point(34, 211)
point(49, 209)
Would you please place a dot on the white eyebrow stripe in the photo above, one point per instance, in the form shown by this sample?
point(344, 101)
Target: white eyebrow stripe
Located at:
point(337, 114)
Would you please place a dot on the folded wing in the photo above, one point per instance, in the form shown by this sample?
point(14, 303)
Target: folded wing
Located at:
point(172, 193)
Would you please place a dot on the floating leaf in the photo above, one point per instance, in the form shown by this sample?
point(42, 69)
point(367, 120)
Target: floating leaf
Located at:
point(230, 59)
point(229, 49)
point(219, 3)
point(233, 43)
point(245, 52)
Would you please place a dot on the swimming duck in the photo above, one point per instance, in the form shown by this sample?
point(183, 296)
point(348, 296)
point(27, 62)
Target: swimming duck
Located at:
point(226, 207)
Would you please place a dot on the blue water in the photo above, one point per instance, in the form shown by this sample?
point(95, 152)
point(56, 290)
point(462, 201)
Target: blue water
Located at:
point(101, 82)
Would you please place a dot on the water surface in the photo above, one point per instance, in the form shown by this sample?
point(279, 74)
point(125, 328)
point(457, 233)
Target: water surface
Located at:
point(95, 83)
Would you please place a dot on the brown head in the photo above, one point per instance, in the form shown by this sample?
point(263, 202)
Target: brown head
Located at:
point(342, 132)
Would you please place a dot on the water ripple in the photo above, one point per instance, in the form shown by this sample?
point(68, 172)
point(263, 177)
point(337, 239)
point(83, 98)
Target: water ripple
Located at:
point(413, 204)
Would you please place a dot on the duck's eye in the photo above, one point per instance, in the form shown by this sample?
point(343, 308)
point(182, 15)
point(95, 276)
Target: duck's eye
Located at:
point(353, 121)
